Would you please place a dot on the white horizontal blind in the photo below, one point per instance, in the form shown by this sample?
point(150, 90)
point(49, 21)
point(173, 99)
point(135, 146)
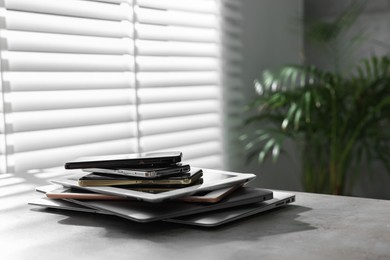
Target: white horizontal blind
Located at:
point(67, 81)
point(178, 78)
point(234, 100)
point(109, 76)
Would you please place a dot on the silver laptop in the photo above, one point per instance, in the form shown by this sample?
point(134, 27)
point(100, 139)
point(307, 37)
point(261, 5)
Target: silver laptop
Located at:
point(220, 217)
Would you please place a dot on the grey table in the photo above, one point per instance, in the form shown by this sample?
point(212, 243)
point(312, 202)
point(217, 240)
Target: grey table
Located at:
point(314, 227)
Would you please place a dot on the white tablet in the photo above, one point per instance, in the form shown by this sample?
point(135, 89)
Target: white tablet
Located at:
point(212, 180)
point(56, 192)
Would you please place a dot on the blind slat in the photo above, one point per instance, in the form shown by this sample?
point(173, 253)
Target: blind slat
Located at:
point(171, 48)
point(36, 22)
point(54, 119)
point(170, 140)
point(43, 100)
point(151, 111)
point(87, 9)
point(49, 42)
point(44, 81)
point(171, 17)
point(130, 2)
point(202, 6)
point(31, 61)
point(170, 79)
point(177, 63)
point(46, 139)
point(175, 33)
point(177, 124)
point(177, 94)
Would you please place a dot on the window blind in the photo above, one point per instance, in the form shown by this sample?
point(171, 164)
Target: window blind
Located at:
point(92, 77)
point(231, 75)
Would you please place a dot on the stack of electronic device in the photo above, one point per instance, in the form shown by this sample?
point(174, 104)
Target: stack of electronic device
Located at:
point(149, 172)
point(157, 187)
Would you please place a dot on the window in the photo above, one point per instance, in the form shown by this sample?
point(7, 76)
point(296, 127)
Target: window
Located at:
point(112, 76)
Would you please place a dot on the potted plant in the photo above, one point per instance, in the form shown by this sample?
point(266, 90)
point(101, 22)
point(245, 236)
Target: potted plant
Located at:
point(337, 119)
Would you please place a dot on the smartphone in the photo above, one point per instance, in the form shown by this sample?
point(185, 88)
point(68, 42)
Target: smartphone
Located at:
point(138, 160)
point(150, 173)
point(102, 179)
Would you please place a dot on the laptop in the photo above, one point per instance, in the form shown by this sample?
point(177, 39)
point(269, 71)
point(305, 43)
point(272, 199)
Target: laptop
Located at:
point(220, 217)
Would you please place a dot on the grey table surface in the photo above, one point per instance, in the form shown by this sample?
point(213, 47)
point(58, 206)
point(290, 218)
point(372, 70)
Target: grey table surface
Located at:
point(314, 227)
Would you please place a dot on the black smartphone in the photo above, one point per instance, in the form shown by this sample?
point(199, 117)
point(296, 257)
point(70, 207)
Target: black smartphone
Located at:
point(119, 161)
point(149, 173)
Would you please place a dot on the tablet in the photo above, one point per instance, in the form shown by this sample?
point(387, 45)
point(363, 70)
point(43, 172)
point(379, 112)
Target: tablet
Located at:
point(56, 192)
point(212, 180)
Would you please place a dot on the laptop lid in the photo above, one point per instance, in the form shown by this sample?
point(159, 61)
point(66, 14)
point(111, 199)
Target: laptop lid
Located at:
point(220, 217)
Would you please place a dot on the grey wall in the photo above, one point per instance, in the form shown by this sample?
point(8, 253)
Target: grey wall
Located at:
point(373, 23)
point(373, 182)
point(272, 36)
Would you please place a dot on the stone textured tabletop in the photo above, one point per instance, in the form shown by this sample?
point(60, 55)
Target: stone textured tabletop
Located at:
point(314, 227)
